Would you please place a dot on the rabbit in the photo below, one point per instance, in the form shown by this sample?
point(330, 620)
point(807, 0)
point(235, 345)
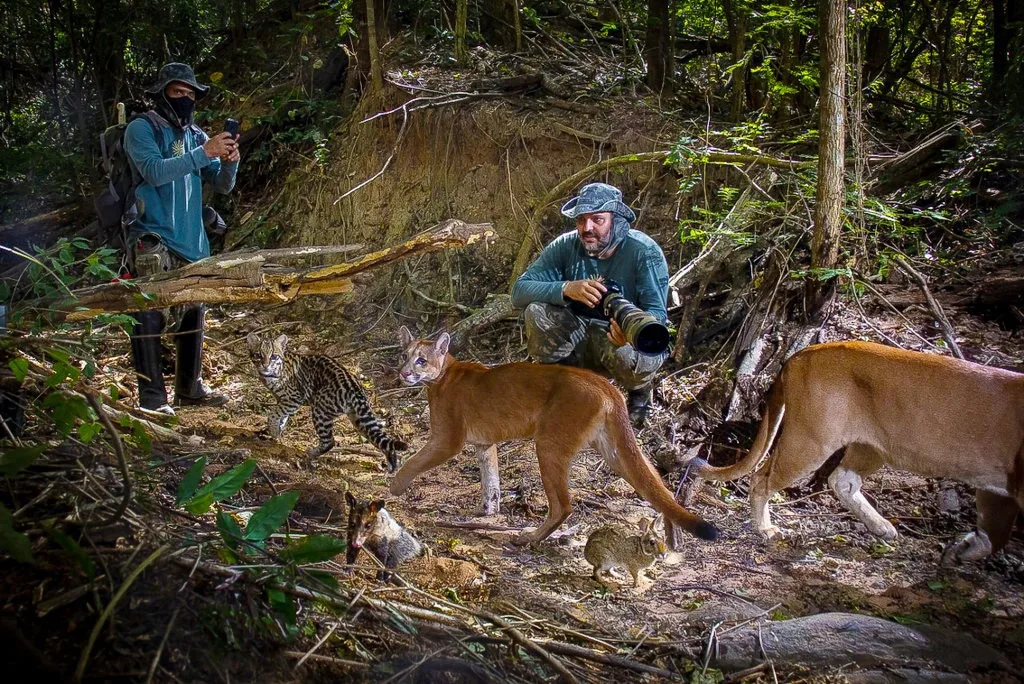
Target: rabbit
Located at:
point(614, 547)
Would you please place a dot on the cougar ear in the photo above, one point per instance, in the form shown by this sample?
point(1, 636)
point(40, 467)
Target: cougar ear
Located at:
point(441, 345)
point(404, 337)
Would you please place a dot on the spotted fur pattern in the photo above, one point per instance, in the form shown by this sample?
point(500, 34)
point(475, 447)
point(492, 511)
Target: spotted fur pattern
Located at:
point(324, 385)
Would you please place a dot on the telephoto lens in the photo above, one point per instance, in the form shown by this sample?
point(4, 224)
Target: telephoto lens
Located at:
point(646, 333)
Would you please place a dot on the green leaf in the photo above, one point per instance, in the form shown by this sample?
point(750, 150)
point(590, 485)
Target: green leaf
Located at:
point(88, 431)
point(19, 367)
point(229, 529)
point(12, 542)
point(314, 549)
point(270, 516)
point(66, 409)
point(221, 487)
point(284, 606)
point(17, 459)
point(73, 549)
point(326, 579)
point(190, 483)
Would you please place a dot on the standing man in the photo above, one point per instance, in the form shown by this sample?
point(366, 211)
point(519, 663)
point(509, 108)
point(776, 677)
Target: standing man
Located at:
point(573, 269)
point(170, 158)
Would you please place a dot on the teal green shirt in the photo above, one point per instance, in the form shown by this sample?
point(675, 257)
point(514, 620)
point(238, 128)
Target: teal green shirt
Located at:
point(638, 265)
point(173, 166)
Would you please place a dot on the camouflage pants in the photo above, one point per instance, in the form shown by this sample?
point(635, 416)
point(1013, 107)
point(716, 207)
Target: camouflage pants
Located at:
point(554, 334)
point(147, 256)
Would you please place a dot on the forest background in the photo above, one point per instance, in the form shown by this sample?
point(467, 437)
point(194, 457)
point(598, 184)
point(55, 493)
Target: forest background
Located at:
point(792, 158)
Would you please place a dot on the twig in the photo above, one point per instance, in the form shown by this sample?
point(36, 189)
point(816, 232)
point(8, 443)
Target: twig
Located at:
point(724, 594)
point(528, 644)
point(121, 461)
point(317, 645)
point(470, 525)
point(607, 659)
point(160, 648)
point(451, 305)
point(940, 315)
point(910, 324)
point(327, 659)
point(452, 98)
point(387, 162)
point(741, 674)
point(83, 660)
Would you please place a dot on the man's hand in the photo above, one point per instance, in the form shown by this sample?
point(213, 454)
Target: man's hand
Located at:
point(615, 334)
point(221, 145)
point(587, 292)
point(234, 156)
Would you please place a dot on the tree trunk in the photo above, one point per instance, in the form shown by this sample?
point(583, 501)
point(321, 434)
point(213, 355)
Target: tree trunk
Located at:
point(517, 24)
point(659, 53)
point(376, 71)
point(736, 20)
point(1008, 52)
point(461, 19)
point(828, 214)
point(242, 277)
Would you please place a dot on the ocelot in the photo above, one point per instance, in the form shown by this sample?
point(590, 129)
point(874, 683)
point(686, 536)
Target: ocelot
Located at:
point(324, 385)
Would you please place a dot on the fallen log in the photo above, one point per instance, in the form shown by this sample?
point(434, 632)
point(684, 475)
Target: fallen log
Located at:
point(241, 277)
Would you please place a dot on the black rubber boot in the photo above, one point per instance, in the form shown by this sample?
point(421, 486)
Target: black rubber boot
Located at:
point(639, 403)
point(189, 388)
point(146, 359)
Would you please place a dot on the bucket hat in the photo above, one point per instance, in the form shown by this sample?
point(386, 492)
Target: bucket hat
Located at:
point(176, 71)
point(598, 197)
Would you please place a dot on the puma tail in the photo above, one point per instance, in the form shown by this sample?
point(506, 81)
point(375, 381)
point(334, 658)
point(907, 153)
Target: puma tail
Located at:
point(774, 410)
point(642, 476)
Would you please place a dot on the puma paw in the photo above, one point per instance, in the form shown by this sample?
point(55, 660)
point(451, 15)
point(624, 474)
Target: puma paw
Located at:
point(772, 533)
point(884, 530)
point(527, 536)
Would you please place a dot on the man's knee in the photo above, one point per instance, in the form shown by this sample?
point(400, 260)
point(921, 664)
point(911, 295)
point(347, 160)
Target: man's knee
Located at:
point(632, 369)
point(552, 332)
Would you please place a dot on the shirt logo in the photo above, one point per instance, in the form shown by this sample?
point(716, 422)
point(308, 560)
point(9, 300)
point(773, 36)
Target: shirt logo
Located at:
point(178, 148)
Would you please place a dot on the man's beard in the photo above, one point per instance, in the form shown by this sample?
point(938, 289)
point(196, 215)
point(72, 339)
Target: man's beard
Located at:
point(594, 249)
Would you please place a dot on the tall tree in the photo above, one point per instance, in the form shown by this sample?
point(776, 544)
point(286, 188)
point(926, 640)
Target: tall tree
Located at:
point(660, 53)
point(376, 70)
point(828, 213)
point(461, 19)
point(1007, 83)
point(736, 21)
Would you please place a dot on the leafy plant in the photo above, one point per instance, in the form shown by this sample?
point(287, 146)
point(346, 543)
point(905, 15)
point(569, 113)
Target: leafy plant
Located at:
point(265, 521)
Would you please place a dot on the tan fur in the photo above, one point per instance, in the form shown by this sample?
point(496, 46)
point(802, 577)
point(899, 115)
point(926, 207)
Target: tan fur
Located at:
point(931, 415)
point(563, 409)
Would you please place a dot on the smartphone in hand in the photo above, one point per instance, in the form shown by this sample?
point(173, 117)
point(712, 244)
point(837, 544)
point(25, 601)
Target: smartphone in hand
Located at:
point(232, 126)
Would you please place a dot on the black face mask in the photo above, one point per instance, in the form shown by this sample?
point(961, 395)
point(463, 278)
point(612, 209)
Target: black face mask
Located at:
point(182, 108)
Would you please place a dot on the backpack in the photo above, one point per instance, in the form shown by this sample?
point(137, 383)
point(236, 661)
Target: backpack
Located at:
point(115, 205)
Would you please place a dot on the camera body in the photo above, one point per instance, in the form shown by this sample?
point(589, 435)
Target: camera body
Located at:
point(646, 333)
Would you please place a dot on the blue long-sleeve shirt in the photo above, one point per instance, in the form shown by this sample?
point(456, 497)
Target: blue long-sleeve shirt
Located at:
point(638, 265)
point(173, 166)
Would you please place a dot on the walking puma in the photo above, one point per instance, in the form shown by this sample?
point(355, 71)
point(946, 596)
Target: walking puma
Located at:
point(564, 409)
point(873, 405)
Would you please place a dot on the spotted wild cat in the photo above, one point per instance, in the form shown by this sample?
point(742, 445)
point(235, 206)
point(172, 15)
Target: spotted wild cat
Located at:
point(324, 385)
